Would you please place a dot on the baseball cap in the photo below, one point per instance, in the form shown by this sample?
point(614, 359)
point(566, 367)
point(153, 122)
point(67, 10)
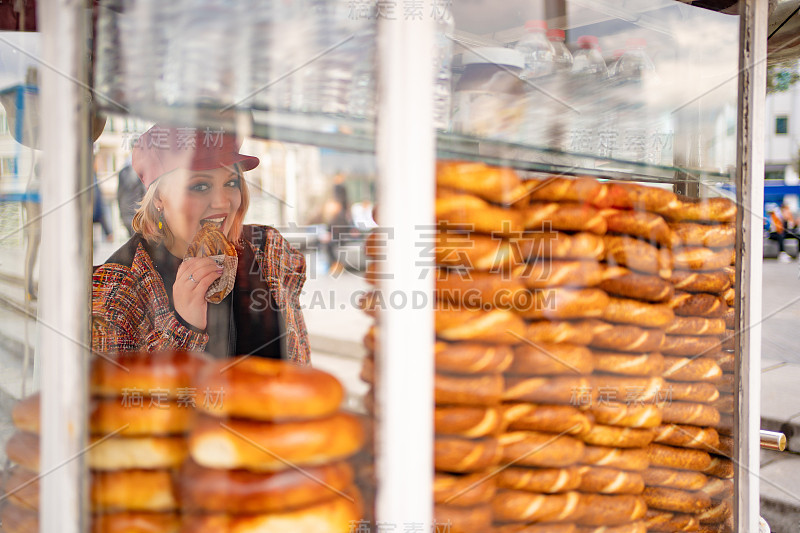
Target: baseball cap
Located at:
point(162, 149)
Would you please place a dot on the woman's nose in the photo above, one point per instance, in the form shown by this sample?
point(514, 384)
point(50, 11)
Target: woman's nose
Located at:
point(219, 200)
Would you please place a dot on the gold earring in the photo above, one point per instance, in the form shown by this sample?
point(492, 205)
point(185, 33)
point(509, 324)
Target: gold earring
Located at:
point(160, 218)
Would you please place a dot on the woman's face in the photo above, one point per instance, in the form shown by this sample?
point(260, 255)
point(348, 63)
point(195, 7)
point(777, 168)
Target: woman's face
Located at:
point(191, 197)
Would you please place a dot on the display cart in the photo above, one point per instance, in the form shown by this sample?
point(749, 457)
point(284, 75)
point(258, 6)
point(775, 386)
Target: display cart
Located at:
point(710, 96)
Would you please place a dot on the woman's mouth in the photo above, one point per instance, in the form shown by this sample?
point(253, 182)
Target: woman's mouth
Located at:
point(217, 220)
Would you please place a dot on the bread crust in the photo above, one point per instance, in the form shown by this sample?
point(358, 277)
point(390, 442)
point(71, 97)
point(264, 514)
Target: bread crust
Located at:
point(563, 216)
point(494, 184)
point(620, 281)
point(560, 331)
point(561, 390)
point(678, 458)
point(641, 224)
point(625, 338)
point(537, 245)
point(470, 422)
point(269, 390)
point(580, 189)
point(626, 415)
point(535, 528)
point(459, 211)
point(700, 258)
point(540, 480)
point(464, 520)
point(632, 459)
point(676, 500)
point(134, 490)
point(675, 479)
point(460, 455)
point(481, 390)
point(630, 390)
point(646, 315)
point(658, 520)
point(716, 210)
point(265, 446)
point(713, 282)
point(611, 510)
point(479, 289)
point(691, 345)
point(472, 358)
point(496, 326)
point(708, 235)
point(560, 273)
point(212, 490)
point(637, 255)
point(543, 359)
point(531, 448)
point(124, 522)
point(633, 527)
point(695, 325)
point(148, 453)
point(168, 371)
point(464, 490)
point(694, 414)
point(603, 480)
point(479, 252)
point(619, 437)
point(698, 304)
point(720, 467)
point(561, 303)
point(692, 392)
point(331, 516)
point(641, 197)
point(559, 419)
point(691, 369)
point(646, 364)
point(685, 436)
point(523, 506)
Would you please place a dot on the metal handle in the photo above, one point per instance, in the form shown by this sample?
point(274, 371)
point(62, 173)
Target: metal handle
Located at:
point(772, 440)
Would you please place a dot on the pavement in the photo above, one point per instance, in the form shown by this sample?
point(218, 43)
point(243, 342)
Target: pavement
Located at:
point(336, 328)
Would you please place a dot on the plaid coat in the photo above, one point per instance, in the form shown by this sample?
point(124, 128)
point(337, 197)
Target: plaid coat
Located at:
point(131, 309)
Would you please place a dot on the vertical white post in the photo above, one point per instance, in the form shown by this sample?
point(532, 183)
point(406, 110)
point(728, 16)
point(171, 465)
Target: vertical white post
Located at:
point(405, 158)
point(65, 289)
point(749, 250)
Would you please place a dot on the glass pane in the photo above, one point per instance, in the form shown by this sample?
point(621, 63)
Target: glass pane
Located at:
point(604, 80)
point(600, 309)
point(21, 222)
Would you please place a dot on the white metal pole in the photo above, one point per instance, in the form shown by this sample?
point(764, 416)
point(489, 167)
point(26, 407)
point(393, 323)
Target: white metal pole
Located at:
point(405, 157)
point(749, 250)
point(66, 264)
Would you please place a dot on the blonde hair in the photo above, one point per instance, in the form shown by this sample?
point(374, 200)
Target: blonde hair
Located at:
point(145, 220)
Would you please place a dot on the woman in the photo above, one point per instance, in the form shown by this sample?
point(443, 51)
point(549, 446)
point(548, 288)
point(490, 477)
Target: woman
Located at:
point(146, 297)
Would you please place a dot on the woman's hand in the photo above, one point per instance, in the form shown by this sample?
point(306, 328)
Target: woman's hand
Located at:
point(194, 277)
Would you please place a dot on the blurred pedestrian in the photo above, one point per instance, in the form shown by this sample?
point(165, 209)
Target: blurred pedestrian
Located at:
point(130, 191)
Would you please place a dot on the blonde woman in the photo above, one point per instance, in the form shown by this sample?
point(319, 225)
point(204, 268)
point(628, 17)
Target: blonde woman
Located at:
point(146, 297)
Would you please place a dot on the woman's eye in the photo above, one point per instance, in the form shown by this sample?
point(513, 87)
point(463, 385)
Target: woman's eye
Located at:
point(199, 187)
point(233, 183)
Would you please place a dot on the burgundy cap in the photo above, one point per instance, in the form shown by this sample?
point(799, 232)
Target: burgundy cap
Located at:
point(162, 149)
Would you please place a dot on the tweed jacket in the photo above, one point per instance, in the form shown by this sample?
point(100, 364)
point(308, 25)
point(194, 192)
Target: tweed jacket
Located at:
point(131, 309)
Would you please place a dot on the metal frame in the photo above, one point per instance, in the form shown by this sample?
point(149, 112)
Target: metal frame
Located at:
point(65, 286)
point(749, 250)
point(406, 159)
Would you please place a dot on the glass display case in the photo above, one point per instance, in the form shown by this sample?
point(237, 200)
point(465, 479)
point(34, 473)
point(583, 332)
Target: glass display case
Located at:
point(515, 241)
